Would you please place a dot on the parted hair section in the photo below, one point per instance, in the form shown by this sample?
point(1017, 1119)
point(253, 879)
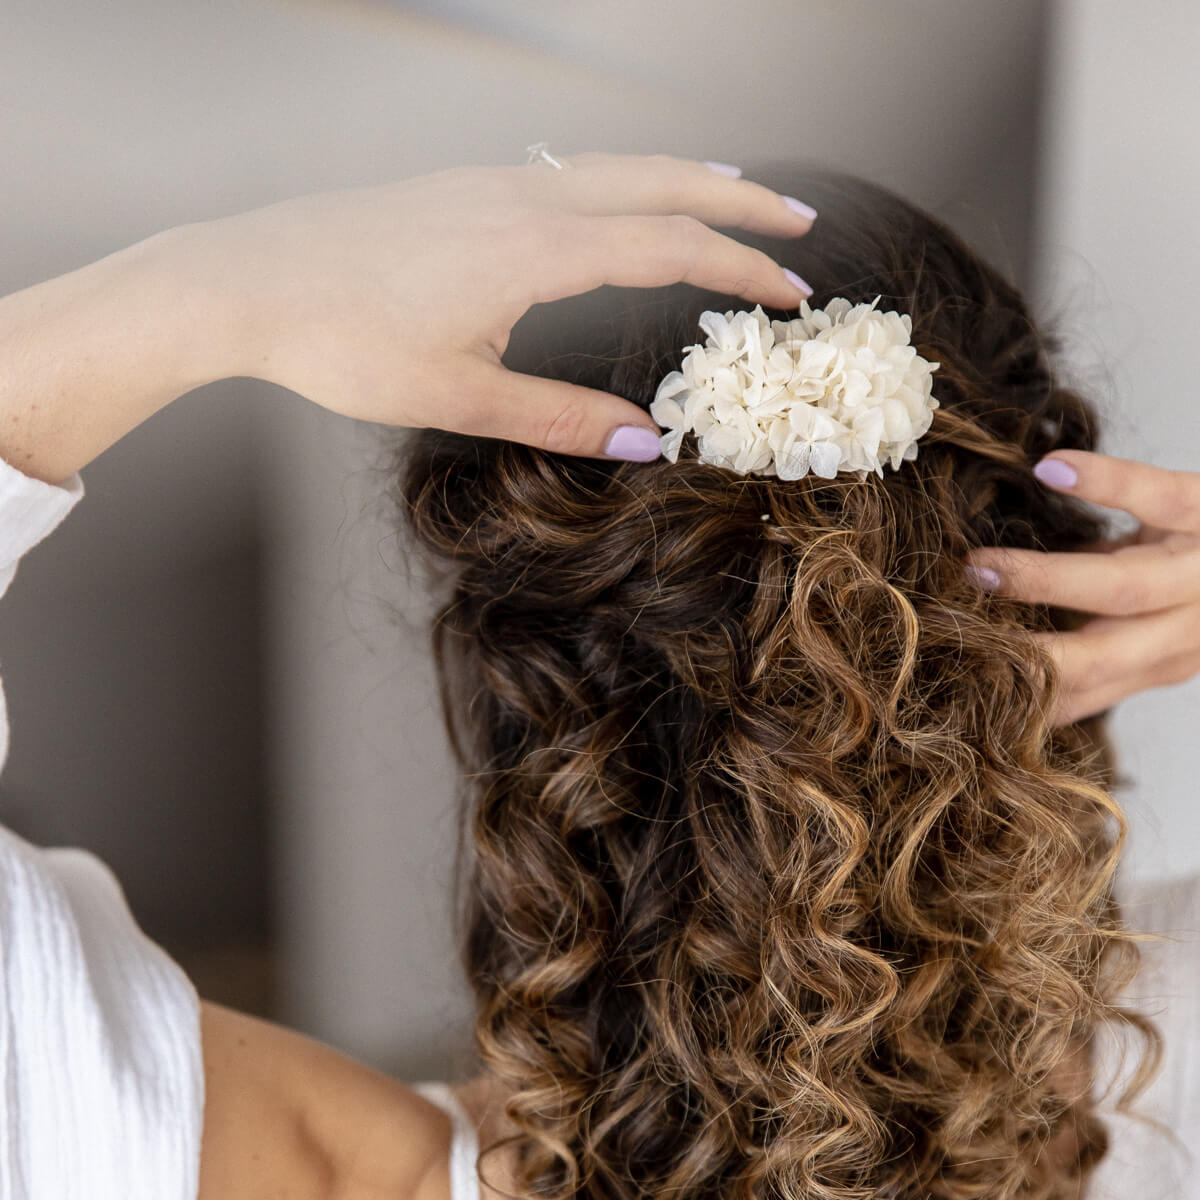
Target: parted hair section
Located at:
point(778, 881)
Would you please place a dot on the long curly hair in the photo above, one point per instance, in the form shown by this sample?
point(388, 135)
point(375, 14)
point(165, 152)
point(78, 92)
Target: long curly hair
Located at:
point(781, 882)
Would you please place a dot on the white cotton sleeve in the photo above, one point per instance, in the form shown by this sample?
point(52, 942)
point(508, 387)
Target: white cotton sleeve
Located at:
point(29, 510)
point(101, 1071)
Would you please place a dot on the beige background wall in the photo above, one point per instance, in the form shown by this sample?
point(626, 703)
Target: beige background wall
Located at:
point(206, 685)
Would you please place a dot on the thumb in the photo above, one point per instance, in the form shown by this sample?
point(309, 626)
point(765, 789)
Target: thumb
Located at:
point(563, 418)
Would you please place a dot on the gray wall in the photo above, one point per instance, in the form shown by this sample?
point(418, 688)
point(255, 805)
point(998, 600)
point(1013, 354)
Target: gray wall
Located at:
point(1118, 255)
point(125, 119)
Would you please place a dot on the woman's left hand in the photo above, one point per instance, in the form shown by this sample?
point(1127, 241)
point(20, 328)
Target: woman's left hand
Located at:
point(1145, 586)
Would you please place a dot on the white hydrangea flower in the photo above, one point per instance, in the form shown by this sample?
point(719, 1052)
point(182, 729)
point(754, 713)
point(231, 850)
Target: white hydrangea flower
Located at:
point(838, 389)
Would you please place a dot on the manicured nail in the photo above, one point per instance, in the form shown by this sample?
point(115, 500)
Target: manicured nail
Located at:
point(725, 169)
point(633, 443)
point(983, 577)
point(1056, 473)
point(797, 282)
point(798, 206)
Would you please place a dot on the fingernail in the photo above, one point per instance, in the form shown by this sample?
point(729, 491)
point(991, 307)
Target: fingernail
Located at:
point(798, 206)
point(725, 169)
point(983, 577)
point(633, 443)
point(796, 281)
point(1056, 473)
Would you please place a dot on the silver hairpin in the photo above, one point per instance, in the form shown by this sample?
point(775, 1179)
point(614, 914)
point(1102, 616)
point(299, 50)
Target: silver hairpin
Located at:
point(539, 152)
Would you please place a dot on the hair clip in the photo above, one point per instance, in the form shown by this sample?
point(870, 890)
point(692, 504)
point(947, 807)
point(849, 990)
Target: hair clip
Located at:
point(837, 389)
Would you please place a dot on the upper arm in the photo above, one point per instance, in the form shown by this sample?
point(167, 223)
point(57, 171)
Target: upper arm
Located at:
point(256, 1141)
point(286, 1115)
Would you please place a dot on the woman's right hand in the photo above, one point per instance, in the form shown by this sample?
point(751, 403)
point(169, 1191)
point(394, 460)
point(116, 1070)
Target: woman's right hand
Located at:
point(395, 303)
point(390, 303)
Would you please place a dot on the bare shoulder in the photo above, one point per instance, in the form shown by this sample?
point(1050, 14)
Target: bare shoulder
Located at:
point(286, 1115)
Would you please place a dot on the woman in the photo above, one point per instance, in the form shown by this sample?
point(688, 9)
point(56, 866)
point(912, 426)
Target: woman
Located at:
point(310, 294)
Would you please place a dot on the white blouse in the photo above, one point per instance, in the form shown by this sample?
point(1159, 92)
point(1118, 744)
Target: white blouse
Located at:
point(101, 1074)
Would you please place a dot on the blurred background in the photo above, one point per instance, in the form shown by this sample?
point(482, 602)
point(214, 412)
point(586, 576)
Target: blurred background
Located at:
point(214, 678)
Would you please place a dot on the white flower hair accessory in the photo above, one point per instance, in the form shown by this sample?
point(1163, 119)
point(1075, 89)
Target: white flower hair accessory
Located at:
point(838, 389)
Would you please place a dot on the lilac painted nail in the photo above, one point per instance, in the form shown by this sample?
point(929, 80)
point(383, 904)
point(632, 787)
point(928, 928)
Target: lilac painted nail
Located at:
point(798, 206)
point(983, 577)
point(1056, 473)
point(633, 443)
point(797, 282)
point(725, 169)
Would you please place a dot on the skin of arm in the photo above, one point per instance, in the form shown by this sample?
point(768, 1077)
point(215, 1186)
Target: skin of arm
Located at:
point(87, 356)
point(285, 1115)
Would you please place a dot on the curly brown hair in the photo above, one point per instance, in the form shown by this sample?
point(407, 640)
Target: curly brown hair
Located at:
point(782, 883)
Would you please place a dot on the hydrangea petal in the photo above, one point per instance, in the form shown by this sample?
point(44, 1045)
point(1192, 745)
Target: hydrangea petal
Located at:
point(825, 459)
point(666, 411)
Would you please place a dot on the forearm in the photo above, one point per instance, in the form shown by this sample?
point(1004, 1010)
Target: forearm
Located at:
point(87, 356)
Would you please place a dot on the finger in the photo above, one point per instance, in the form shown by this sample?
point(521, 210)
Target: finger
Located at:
point(1157, 496)
point(1133, 579)
point(1149, 536)
point(578, 254)
point(1113, 657)
point(1141, 536)
point(616, 184)
point(563, 418)
point(1074, 706)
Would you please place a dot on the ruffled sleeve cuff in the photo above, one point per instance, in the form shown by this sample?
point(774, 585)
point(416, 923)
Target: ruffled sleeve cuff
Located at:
point(29, 511)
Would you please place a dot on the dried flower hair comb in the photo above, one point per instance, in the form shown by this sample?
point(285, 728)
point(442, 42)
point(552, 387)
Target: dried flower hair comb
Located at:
point(837, 389)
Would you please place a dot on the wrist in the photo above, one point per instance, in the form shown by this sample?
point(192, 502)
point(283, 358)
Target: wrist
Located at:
point(87, 356)
point(200, 334)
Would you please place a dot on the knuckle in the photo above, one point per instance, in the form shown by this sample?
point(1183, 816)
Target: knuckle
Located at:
point(564, 432)
point(494, 188)
point(476, 178)
point(764, 264)
point(518, 188)
point(1179, 670)
point(470, 412)
point(1181, 500)
point(760, 270)
point(1028, 580)
point(549, 233)
point(463, 176)
point(688, 230)
point(1101, 675)
point(1103, 667)
point(1128, 595)
point(688, 238)
point(744, 287)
